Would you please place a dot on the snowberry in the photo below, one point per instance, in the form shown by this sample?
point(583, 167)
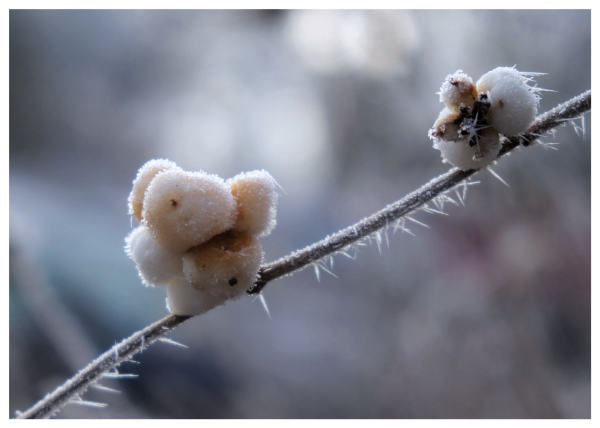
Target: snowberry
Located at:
point(467, 131)
point(514, 104)
point(156, 265)
point(183, 209)
point(184, 299)
point(145, 174)
point(226, 265)
point(256, 198)
point(458, 88)
point(444, 125)
point(459, 153)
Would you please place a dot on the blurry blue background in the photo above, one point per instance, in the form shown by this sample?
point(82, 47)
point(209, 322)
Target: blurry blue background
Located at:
point(485, 314)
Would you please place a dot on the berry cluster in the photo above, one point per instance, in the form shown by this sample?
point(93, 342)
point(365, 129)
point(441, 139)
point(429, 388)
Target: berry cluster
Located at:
point(467, 131)
point(198, 232)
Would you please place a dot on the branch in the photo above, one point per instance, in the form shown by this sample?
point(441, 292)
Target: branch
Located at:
point(72, 389)
point(107, 362)
point(571, 109)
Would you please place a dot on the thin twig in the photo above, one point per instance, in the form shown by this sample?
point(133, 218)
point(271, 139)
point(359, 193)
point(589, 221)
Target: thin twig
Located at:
point(94, 371)
point(78, 384)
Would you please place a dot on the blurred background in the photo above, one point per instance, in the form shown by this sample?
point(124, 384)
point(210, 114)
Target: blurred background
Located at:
point(486, 314)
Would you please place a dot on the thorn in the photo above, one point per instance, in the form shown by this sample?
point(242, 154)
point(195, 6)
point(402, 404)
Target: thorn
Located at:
point(331, 262)
point(171, 342)
point(131, 361)
point(105, 388)
point(317, 273)
point(416, 221)
point(495, 174)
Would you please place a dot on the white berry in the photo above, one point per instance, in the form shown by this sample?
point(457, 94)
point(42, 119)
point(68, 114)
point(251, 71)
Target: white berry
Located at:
point(514, 104)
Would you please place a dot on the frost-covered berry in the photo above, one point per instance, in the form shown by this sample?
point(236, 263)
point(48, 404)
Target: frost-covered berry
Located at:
point(184, 299)
point(458, 88)
point(226, 265)
point(514, 104)
point(145, 174)
point(459, 152)
point(156, 265)
point(444, 125)
point(221, 269)
point(256, 199)
point(184, 209)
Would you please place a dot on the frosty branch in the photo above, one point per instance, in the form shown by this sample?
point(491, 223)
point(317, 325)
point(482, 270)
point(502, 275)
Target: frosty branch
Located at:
point(105, 365)
point(548, 121)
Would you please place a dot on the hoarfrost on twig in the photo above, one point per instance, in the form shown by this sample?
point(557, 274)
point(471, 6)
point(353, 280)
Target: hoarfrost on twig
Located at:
point(172, 342)
point(495, 174)
point(264, 304)
point(119, 375)
point(105, 388)
point(416, 221)
point(81, 402)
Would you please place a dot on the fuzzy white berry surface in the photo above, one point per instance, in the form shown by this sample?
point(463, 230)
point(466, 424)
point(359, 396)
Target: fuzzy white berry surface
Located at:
point(145, 174)
point(514, 104)
point(183, 209)
point(156, 265)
